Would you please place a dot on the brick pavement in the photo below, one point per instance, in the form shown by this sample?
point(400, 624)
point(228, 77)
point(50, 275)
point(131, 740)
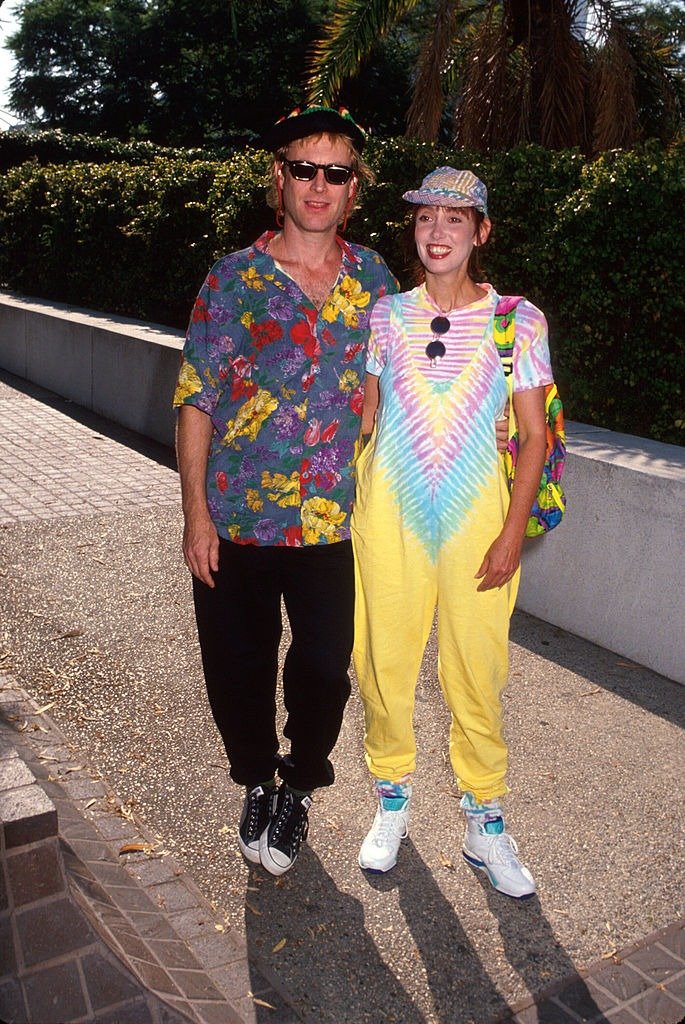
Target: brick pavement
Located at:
point(97, 922)
point(56, 460)
point(147, 941)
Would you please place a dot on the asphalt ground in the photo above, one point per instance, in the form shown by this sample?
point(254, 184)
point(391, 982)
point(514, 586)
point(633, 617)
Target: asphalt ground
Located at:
point(97, 622)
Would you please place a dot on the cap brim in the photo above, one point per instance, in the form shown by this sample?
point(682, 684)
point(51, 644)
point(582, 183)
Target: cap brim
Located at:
point(318, 122)
point(438, 197)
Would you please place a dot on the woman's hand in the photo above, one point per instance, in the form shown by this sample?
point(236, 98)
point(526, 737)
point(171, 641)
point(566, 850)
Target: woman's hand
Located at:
point(500, 563)
point(504, 554)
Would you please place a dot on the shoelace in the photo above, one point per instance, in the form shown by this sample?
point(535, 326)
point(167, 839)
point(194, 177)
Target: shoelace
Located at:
point(254, 805)
point(388, 829)
point(503, 850)
point(291, 821)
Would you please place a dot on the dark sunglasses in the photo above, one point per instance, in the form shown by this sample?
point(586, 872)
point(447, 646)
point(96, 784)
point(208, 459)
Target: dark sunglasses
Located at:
point(435, 349)
point(304, 170)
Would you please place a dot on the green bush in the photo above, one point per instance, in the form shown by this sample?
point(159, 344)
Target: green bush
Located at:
point(615, 293)
point(236, 201)
point(122, 239)
point(57, 147)
point(599, 247)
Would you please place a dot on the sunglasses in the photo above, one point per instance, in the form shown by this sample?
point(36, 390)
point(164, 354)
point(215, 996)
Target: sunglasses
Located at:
point(304, 170)
point(435, 349)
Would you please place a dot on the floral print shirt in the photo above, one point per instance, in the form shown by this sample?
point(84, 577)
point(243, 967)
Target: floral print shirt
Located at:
point(282, 382)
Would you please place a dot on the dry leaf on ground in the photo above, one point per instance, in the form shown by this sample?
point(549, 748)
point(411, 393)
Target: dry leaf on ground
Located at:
point(136, 848)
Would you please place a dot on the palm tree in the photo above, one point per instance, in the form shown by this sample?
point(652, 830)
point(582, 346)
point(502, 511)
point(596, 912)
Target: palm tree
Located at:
point(519, 71)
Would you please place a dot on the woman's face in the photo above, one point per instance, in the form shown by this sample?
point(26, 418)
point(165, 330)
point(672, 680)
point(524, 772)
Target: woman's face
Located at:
point(445, 236)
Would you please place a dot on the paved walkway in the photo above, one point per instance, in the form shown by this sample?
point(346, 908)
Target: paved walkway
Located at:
point(97, 624)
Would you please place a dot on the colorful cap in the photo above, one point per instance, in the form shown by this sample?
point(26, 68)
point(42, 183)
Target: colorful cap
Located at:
point(447, 187)
point(310, 121)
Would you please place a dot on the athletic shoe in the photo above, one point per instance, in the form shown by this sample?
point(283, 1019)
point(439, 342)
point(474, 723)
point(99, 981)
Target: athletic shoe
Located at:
point(390, 826)
point(490, 848)
point(280, 842)
point(254, 820)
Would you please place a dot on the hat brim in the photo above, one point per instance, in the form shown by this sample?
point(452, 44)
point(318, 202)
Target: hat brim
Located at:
point(442, 197)
point(317, 122)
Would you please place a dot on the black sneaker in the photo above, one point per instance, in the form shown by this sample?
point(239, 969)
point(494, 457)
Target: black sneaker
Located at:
point(279, 844)
point(254, 820)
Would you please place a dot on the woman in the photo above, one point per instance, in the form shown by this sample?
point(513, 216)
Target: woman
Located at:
point(433, 524)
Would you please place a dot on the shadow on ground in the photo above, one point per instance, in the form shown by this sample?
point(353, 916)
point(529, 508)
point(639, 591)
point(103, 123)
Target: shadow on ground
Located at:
point(159, 453)
point(338, 963)
point(339, 973)
point(613, 672)
point(535, 953)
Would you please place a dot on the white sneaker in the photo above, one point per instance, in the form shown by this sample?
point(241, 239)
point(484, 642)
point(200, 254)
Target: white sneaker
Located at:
point(490, 848)
point(390, 826)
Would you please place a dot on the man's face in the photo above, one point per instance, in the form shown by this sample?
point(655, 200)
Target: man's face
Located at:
point(316, 206)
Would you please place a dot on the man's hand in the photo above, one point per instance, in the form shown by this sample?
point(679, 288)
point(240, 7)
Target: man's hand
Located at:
point(201, 547)
point(200, 539)
point(502, 430)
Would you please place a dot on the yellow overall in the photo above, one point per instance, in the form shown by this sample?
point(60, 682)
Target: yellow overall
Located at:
point(431, 498)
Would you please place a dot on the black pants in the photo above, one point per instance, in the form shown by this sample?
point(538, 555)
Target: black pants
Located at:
point(239, 626)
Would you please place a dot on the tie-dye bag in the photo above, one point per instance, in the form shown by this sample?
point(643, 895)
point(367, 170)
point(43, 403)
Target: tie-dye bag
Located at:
point(550, 502)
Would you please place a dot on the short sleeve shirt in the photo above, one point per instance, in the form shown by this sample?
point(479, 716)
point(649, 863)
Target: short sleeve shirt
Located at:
point(282, 383)
point(531, 362)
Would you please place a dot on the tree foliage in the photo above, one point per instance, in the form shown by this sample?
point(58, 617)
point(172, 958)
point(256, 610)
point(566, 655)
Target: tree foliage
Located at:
point(485, 74)
point(175, 71)
point(79, 64)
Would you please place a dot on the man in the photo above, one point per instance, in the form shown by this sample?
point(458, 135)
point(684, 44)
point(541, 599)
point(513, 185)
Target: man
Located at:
point(269, 399)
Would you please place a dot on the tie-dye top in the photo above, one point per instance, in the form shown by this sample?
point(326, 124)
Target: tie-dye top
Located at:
point(282, 383)
point(467, 326)
point(434, 443)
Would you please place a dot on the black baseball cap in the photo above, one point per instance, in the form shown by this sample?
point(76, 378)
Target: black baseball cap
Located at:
point(311, 121)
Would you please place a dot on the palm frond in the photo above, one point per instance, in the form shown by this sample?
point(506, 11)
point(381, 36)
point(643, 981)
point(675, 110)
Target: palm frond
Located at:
point(354, 28)
point(659, 84)
point(428, 98)
point(638, 85)
point(613, 86)
point(559, 70)
point(606, 14)
point(483, 117)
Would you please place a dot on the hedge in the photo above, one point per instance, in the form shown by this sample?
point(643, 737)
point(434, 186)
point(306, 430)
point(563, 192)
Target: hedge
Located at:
point(598, 246)
point(53, 146)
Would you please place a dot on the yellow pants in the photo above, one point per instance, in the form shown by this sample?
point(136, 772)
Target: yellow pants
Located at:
point(398, 587)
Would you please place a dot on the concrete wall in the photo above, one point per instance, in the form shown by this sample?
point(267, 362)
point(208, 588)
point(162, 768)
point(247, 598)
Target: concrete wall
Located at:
point(121, 369)
point(612, 572)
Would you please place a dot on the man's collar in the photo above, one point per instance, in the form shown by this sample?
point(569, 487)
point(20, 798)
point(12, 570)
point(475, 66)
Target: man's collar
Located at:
point(262, 243)
point(348, 254)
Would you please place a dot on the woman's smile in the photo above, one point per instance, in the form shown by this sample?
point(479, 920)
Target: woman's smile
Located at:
point(437, 252)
